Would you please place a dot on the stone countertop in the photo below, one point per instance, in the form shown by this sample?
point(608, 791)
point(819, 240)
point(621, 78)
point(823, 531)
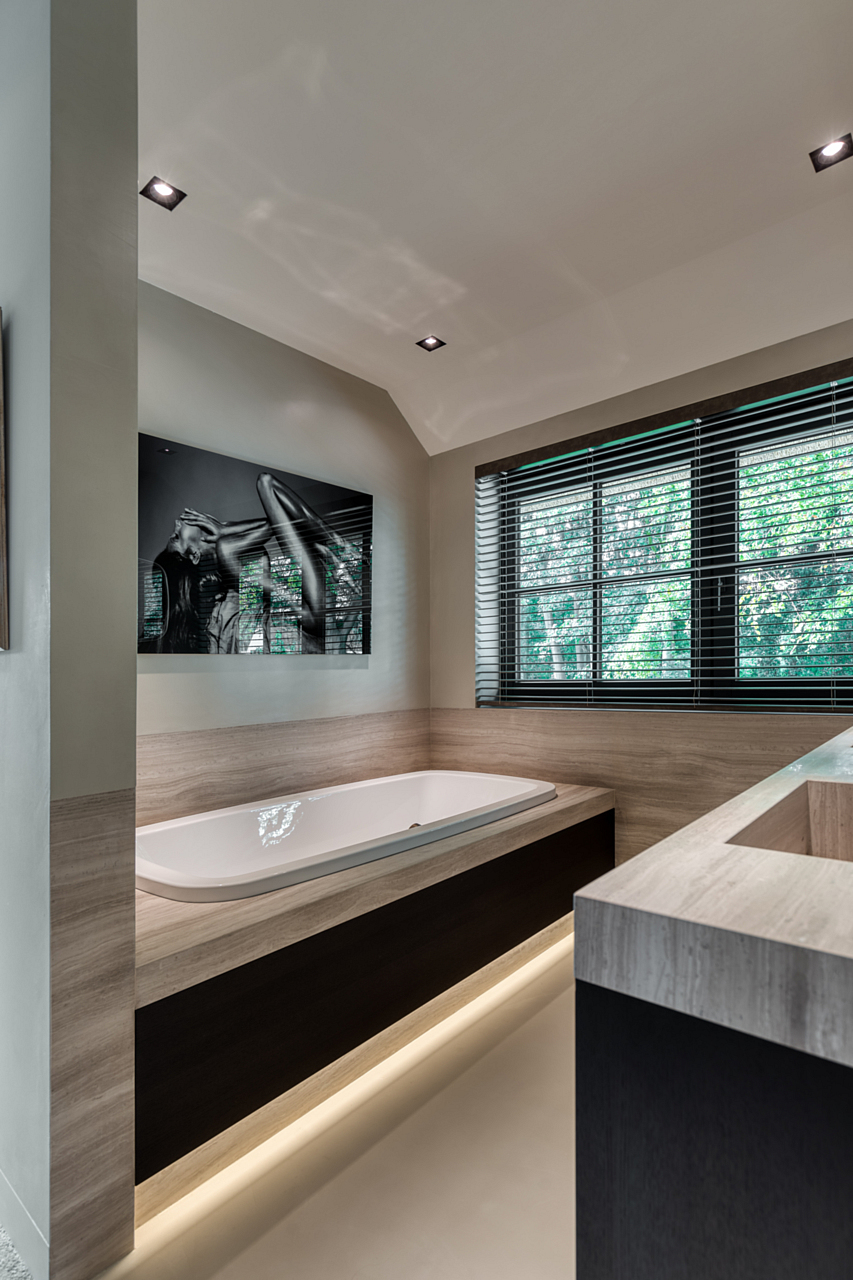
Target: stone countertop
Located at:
point(181, 943)
point(756, 939)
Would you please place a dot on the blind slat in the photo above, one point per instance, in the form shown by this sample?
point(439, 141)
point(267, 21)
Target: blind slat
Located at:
point(707, 564)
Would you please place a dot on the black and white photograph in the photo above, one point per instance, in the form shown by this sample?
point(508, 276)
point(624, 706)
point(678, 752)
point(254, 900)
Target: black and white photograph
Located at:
point(239, 558)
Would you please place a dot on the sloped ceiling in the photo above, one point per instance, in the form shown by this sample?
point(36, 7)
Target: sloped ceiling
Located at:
point(579, 197)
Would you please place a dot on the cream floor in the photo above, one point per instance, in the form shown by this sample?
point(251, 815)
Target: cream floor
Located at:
point(477, 1184)
point(454, 1161)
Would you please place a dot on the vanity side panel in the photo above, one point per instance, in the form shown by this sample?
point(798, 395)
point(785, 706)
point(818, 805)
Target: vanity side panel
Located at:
point(706, 1152)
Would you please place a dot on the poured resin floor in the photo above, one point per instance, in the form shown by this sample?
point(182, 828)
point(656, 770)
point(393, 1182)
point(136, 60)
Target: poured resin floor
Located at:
point(454, 1162)
point(476, 1184)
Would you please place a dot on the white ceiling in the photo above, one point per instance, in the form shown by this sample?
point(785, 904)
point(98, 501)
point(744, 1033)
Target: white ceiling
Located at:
point(580, 197)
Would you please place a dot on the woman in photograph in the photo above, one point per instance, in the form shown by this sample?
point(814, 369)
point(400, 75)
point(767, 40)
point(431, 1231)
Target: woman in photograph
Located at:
point(203, 559)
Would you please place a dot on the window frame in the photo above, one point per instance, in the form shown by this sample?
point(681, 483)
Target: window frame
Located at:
point(714, 682)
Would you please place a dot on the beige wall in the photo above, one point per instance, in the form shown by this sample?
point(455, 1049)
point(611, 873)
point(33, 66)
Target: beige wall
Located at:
point(666, 768)
point(209, 382)
point(93, 399)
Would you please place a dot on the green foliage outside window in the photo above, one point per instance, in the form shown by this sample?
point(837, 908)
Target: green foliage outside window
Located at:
point(645, 619)
point(793, 573)
point(795, 618)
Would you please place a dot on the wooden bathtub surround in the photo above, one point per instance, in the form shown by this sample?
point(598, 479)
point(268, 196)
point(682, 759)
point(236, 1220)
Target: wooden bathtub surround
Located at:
point(181, 943)
point(728, 922)
point(92, 994)
point(179, 774)
point(178, 1179)
point(502, 892)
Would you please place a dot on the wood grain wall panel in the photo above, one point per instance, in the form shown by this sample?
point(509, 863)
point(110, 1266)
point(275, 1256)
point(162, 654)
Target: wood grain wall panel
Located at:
point(667, 768)
point(184, 773)
point(92, 1027)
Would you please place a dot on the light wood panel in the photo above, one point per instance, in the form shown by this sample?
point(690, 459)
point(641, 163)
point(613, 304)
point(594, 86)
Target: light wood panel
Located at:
point(183, 773)
point(92, 1000)
point(785, 826)
point(164, 1188)
point(816, 818)
point(831, 819)
point(666, 768)
point(182, 943)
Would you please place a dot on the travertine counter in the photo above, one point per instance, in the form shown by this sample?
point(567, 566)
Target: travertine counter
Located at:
point(179, 944)
point(759, 939)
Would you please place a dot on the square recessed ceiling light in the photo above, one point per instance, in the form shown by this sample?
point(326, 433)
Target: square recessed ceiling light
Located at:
point(430, 343)
point(832, 152)
point(163, 193)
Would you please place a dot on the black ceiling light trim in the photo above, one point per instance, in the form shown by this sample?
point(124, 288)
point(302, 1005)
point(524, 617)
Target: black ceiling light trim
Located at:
point(163, 193)
point(832, 152)
point(430, 343)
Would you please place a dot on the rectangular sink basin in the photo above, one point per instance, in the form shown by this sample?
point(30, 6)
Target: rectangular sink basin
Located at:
point(816, 819)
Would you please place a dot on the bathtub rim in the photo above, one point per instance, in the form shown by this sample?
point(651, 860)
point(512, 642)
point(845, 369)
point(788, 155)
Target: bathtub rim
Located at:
point(186, 887)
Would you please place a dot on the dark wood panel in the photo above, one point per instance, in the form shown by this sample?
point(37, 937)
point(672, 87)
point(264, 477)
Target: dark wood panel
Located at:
point(704, 1153)
point(212, 1054)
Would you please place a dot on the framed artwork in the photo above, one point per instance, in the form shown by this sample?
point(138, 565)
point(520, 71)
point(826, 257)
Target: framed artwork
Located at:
point(4, 560)
point(239, 558)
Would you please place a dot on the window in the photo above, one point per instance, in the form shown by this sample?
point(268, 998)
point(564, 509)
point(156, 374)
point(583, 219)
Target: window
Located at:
point(705, 564)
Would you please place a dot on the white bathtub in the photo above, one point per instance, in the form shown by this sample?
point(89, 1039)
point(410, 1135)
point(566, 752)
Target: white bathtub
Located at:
point(254, 848)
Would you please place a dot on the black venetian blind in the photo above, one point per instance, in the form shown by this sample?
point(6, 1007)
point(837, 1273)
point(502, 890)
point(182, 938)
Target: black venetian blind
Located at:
point(706, 564)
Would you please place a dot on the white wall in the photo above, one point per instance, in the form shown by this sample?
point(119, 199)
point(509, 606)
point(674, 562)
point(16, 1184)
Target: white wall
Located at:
point(68, 290)
point(24, 671)
point(206, 381)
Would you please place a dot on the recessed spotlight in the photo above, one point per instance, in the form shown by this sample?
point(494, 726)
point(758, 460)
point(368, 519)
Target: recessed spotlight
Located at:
point(832, 152)
point(430, 343)
point(163, 193)
point(167, 450)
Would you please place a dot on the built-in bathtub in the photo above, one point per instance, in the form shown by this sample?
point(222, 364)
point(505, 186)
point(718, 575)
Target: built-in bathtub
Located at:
point(254, 848)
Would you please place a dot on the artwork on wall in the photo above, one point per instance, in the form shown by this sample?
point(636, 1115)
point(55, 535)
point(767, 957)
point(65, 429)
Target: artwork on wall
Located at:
point(4, 567)
point(240, 558)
